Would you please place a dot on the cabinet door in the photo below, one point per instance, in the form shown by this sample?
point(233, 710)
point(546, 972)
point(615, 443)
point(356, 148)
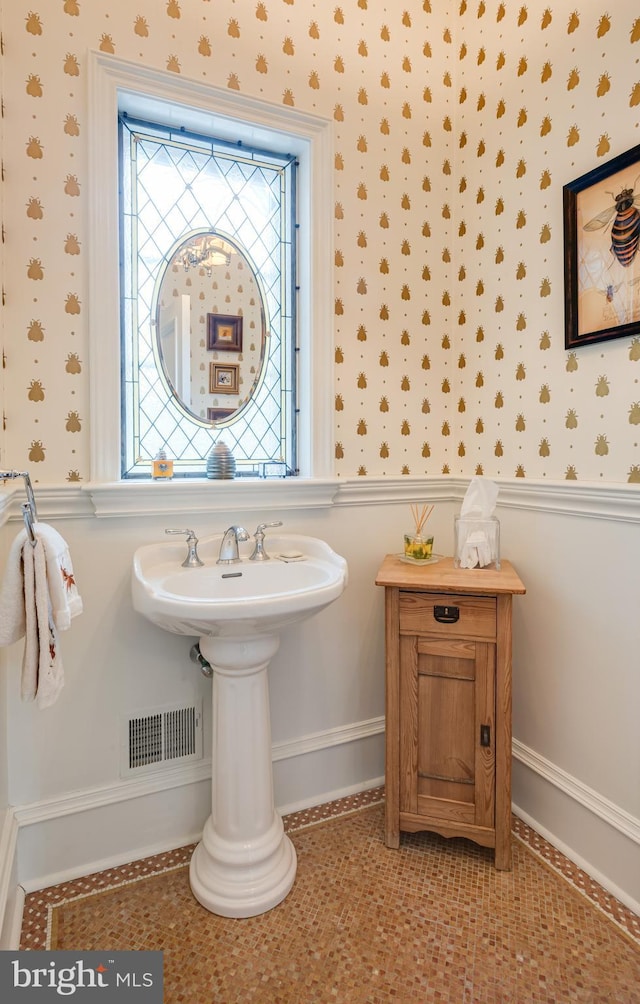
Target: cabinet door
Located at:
point(447, 715)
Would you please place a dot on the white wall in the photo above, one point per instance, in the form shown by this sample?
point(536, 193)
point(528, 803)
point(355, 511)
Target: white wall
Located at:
point(575, 669)
point(575, 681)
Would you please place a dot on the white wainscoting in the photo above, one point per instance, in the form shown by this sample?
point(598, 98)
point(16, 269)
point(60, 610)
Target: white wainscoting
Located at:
point(63, 838)
point(575, 751)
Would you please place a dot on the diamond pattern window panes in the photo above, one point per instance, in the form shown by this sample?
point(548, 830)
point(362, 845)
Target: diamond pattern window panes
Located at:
point(173, 185)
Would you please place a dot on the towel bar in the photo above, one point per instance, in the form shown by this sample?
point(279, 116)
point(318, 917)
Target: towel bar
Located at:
point(29, 510)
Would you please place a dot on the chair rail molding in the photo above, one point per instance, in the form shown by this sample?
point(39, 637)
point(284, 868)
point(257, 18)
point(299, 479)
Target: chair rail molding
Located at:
point(615, 502)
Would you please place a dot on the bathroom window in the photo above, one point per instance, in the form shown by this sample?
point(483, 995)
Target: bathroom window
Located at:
point(208, 230)
point(145, 392)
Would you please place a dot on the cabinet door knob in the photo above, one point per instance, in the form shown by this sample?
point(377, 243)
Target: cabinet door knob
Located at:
point(446, 615)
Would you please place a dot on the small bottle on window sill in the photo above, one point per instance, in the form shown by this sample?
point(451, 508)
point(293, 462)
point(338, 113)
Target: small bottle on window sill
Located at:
point(162, 468)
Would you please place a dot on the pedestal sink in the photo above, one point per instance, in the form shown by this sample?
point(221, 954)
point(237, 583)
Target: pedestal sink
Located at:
point(245, 864)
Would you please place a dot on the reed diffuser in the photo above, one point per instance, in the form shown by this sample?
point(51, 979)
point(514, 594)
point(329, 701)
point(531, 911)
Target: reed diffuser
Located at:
point(417, 545)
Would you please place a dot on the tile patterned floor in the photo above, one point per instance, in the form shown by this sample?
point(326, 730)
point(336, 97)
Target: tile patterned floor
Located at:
point(363, 924)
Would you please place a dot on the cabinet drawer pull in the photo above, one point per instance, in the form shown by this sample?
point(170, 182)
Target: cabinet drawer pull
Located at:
point(446, 615)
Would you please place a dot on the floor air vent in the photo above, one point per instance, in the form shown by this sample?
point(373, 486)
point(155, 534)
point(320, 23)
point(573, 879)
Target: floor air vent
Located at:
point(161, 737)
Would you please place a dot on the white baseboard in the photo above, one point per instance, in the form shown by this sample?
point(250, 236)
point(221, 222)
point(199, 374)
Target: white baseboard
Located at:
point(144, 809)
point(592, 800)
point(12, 927)
point(81, 832)
point(607, 835)
point(11, 894)
point(586, 866)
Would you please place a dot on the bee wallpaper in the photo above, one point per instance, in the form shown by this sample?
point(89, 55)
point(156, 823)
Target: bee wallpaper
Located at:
point(456, 126)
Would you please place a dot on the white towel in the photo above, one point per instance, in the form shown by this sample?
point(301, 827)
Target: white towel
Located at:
point(65, 599)
point(12, 609)
point(42, 672)
point(38, 597)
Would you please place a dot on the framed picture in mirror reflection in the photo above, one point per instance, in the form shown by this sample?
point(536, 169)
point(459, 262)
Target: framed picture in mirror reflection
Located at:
point(219, 414)
point(224, 378)
point(224, 332)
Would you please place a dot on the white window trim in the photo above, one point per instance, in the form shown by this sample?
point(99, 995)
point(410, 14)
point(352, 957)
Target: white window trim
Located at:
point(109, 78)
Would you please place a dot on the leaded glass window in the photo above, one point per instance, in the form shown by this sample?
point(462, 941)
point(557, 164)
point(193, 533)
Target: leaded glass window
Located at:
point(178, 188)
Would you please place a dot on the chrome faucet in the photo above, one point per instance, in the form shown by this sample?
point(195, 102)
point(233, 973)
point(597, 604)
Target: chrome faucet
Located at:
point(229, 546)
point(192, 560)
point(259, 553)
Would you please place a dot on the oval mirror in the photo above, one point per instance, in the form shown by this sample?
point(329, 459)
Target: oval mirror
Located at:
point(210, 326)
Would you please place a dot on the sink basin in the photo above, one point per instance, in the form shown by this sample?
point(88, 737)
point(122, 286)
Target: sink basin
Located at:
point(245, 864)
point(302, 576)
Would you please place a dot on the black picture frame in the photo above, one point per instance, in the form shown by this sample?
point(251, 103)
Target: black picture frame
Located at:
point(224, 332)
point(602, 252)
point(219, 414)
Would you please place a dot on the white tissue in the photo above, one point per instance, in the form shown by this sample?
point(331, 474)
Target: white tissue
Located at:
point(480, 499)
point(477, 544)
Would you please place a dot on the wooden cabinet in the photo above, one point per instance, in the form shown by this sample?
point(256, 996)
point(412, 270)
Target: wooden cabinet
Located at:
point(448, 701)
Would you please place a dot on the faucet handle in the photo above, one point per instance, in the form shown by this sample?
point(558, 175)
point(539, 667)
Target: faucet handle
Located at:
point(259, 553)
point(263, 526)
point(192, 560)
point(190, 534)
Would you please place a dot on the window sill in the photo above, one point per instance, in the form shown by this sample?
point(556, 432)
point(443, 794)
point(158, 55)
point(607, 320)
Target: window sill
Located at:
point(148, 498)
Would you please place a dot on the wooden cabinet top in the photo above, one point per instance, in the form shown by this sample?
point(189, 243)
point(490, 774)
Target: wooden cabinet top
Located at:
point(443, 577)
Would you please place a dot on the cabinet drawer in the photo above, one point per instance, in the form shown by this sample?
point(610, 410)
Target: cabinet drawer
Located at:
point(448, 615)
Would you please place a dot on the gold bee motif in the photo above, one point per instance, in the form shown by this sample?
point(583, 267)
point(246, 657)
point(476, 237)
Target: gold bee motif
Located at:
point(604, 25)
point(573, 136)
point(71, 66)
point(36, 391)
point(34, 86)
point(71, 126)
point(35, 332)
point(71, 186)
point(34, 148)
point(34, 24)
point(35, 269)
point(602, 446)
point(36, 451)
point(34, 209)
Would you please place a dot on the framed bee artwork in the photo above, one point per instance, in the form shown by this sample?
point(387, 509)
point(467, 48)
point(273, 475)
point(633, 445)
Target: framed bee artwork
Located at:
point(601, 245)
point(224, 378)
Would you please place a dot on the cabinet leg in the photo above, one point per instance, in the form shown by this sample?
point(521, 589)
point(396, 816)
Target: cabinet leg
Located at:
point(503, 854)
point(391, 829)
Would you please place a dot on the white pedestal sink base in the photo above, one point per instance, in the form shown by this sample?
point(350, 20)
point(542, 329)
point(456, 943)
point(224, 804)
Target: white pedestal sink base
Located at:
point(245, 864)
point(244, 881)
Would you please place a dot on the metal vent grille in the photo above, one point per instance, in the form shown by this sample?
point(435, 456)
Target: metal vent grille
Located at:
point(162, 737)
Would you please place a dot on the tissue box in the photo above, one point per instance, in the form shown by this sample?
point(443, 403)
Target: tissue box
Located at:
point(476, 542)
